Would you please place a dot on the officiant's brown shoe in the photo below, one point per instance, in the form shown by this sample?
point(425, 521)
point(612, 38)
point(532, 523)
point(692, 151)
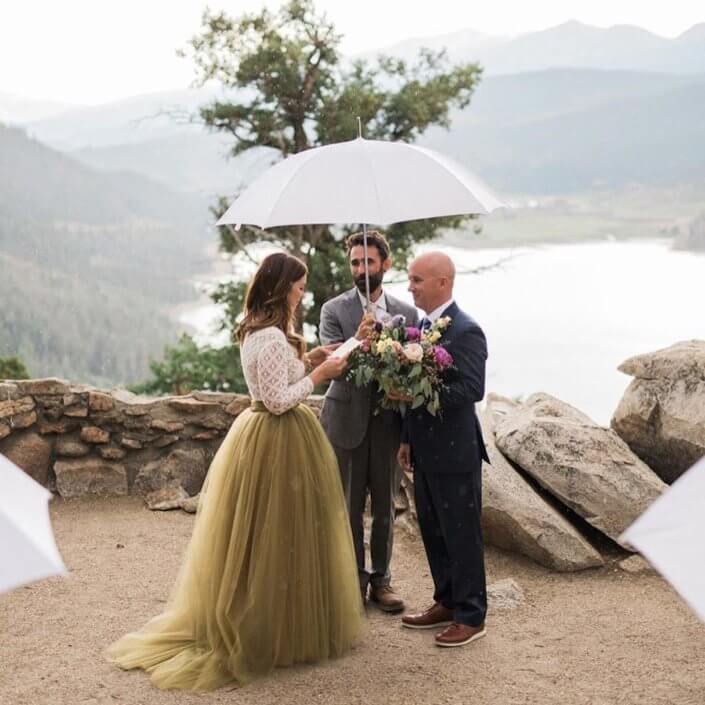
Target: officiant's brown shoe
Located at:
point(384, 597)
point(435, 616)
point(460, 634)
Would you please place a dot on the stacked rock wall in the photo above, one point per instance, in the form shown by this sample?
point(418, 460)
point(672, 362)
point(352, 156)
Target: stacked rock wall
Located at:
point(79, 440)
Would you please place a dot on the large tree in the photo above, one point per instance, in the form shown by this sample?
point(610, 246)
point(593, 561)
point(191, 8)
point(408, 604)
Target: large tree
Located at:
point(294, 90)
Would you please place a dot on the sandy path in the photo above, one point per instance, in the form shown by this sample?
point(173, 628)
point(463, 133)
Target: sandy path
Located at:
point(590, 638)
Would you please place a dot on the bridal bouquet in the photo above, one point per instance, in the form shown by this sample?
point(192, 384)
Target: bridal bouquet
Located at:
point(406, 363)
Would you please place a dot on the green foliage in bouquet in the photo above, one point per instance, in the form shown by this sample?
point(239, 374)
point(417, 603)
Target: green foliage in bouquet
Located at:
point(406, 364)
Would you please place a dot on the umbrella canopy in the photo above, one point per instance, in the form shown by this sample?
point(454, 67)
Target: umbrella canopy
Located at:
point(360, 181)
point(28, 551)
point(669, 534)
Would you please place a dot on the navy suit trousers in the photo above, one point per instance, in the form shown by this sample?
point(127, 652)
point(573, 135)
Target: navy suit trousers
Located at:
point(449, 508)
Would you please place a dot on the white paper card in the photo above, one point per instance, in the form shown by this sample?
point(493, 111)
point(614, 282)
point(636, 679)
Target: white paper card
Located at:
point(346, 348)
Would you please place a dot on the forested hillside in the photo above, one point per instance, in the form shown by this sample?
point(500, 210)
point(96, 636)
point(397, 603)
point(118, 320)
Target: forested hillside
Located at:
point(91, 264)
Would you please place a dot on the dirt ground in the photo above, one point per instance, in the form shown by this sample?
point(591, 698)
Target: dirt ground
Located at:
point(595, 638)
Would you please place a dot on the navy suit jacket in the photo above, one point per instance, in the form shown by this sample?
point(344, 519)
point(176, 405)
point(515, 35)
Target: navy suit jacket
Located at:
point(452, 442)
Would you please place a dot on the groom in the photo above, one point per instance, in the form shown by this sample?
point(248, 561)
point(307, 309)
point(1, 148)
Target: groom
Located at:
point(446, 455)
point(365, 443)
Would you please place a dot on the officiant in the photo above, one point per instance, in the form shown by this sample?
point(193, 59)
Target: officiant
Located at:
point(366, 443)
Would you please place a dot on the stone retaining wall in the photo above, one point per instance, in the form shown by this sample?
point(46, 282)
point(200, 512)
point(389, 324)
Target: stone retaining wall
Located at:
point(76, 439)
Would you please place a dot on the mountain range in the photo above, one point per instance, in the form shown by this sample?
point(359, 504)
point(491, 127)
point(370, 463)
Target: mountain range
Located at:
point(570, 108)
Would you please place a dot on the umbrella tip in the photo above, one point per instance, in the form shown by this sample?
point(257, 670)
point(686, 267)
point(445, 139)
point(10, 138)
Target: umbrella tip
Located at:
point(359, 127)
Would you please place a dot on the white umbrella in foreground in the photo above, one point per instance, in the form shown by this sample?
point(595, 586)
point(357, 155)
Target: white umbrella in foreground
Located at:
point(670, 535)
point(28, 551)
point(360, 181)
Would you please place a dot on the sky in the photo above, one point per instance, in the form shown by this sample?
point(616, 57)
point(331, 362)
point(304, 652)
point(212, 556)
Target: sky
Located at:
point(96, 51)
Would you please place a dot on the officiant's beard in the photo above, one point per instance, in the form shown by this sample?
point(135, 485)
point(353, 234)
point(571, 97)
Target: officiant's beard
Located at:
point(375, 282)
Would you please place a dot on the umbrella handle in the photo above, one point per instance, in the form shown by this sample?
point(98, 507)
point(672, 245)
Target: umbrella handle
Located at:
point(367, 268)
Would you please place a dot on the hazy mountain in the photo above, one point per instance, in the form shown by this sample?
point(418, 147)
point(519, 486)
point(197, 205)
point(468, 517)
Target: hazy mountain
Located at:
point(39, 183)
point(197, 162)
point(566, 130)
point(129, 121)
point(17, 110)
point(458, 44)
point(574, 45)
point(502, 135)
point(91, 263)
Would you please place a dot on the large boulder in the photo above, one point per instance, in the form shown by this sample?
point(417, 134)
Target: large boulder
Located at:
point(31, 452)
point(662, 413)
point(587, 467)
point(75, 478)
point(516, 518)
point(184, 467)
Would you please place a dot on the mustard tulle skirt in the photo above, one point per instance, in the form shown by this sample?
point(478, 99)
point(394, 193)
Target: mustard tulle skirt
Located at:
point(270, 577)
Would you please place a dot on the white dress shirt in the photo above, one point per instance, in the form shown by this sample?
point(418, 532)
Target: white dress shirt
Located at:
point(436, 313)
point(379, 307)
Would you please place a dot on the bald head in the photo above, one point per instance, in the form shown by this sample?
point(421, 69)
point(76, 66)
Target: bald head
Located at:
point(431, 278)
point(437, 264)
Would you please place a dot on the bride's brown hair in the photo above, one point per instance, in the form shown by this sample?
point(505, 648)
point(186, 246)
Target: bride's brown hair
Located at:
point(267, 302)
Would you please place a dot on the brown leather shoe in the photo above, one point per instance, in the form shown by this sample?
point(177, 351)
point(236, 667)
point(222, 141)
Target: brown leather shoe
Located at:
point(386, 599)
point(460, 634)
point(435, 616)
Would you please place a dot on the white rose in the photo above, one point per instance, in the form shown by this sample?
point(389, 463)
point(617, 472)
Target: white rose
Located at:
point(413, 352)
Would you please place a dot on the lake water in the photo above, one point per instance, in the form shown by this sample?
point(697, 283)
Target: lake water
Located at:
point(561, 318)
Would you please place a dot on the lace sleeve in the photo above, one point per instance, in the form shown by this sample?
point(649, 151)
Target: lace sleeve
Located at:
point(273, 378)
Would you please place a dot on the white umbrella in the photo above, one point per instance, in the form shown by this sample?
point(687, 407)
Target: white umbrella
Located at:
point(28, 551)
point(360, 181)
point(669, 534)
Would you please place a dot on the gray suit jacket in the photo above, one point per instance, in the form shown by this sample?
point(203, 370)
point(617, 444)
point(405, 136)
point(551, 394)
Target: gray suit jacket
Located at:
point(346, 409)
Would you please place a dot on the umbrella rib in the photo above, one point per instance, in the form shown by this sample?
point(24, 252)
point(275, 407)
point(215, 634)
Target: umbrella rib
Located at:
point(425, 153)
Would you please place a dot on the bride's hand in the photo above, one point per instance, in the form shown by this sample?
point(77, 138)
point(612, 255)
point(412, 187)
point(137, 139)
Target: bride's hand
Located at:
point(332, 368)
point(320, 354)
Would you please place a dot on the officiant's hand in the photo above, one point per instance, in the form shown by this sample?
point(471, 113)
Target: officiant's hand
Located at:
point(367, 324)
point(318, 355)
point(404, 457)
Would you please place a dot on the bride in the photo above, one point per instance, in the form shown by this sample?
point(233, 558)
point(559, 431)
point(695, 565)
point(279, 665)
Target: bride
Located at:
point(269, 578)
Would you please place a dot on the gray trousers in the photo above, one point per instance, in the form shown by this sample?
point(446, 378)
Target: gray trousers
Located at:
point(372, 467)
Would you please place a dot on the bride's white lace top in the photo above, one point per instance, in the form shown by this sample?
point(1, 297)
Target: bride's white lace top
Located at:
point(273, 373)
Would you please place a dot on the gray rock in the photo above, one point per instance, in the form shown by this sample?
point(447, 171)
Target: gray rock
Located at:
point(190, 505)
point(111, 452)
point(589, 468)
point(662, 413)
point(168, 426)
point(93, 434)
point(238, 405)
point(10, 408)
point(187, 467)
point(24, 420)
point(76, 411)
point(71, 448)
point(636, 565)
point(31, 452)
point(169, 497)
point(188, 405)
point(516, 518)
point(100, 401)
point(505, 594)
point(64, 425)
point(94, 476)
point(48, 385)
